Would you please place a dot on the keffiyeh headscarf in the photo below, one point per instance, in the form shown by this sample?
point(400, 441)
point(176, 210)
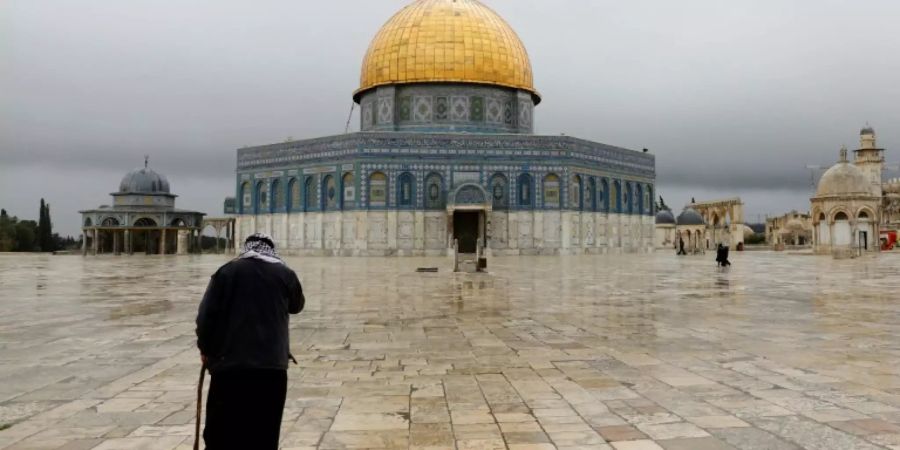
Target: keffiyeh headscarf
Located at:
point(260, 246)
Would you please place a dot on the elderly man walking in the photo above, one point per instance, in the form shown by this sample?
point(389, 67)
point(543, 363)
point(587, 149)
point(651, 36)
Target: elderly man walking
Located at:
point(242, 333)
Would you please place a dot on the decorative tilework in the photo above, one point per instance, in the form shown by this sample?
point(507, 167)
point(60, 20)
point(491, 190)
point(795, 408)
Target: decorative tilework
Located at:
point(405, 109)
point(494, 111)
point(441, 108)
point(368, 117)
point(422, 109)
point(524, 115)
point(508, 114)
point(385, 110)
point(459, 109)
point(476, 113)
point(469, 195)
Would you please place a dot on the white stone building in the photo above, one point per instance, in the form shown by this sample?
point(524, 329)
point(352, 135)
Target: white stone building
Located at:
point(847, 209)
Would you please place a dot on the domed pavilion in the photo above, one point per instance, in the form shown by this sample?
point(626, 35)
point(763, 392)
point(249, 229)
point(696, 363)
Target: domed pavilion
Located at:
point(446, 159)
point(690, 228)
point(141, 219)
point(846, 209)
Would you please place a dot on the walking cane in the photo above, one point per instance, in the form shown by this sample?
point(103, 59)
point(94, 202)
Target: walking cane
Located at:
point(199, 407)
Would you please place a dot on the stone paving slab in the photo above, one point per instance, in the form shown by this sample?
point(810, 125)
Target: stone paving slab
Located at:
point(625, 352)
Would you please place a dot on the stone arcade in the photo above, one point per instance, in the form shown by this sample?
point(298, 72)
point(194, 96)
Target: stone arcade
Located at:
point(446, 156)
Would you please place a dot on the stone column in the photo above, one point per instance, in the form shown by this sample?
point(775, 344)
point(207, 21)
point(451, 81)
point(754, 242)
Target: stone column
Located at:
point(162, 242)
point(96, 243)
point(182, 242)
point(84, 239)
point(115, 248)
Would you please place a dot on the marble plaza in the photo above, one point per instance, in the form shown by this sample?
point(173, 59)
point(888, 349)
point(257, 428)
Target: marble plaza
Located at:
point(625, 352)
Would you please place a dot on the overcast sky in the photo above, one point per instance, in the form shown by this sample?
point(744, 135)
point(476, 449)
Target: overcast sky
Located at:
point(734, 98)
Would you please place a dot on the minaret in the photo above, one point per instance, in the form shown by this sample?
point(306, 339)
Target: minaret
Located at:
point(870, 158)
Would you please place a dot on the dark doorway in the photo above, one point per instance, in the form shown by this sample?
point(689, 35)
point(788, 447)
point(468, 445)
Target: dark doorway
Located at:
point(465, 230)
point(864, 240)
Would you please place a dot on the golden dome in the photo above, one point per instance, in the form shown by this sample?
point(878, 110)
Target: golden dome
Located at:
point(447, 41)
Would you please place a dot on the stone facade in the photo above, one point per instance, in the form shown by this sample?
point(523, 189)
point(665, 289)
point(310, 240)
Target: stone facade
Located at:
point(391, 193)
point(427, 233)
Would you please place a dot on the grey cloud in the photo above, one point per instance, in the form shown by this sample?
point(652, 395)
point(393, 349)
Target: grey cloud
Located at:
point(733, 98)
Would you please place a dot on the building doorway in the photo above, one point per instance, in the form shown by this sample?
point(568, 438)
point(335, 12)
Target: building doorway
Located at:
point(467, 230)
point(864, 240)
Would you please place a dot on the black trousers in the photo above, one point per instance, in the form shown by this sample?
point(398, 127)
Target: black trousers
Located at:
point(243, 410)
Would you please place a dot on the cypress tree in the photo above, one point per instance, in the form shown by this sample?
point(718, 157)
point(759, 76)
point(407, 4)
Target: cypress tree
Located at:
point(48, 230)
point(44, 236)
point(40, 227)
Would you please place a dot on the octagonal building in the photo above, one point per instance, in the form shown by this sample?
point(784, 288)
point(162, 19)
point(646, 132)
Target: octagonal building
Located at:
point(446, 158)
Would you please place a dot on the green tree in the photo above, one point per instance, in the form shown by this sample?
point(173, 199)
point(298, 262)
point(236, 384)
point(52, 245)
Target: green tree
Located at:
point(45, 229)
point(26, 236)
point(7, 232)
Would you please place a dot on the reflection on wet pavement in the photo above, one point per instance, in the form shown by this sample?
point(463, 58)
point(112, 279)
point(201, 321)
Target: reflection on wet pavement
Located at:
point(599, 352)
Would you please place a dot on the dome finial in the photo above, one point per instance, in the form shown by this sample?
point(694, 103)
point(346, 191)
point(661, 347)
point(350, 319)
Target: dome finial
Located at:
point(146, 160)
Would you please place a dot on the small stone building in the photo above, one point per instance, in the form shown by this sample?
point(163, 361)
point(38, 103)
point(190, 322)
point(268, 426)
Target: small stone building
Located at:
point(690, 227)
point(793, 228)
point(846, 210)
point(665, 229)
point(142, 219)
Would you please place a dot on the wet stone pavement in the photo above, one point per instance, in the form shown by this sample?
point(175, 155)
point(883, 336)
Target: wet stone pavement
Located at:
point(630, 352)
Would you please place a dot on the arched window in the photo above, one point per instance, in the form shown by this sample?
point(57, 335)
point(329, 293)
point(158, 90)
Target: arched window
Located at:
point(434, 191)
point(378, 189)
point(296, 201)
point(590, 195)
point(628, 201)
point(640, 199)
point(525, 191)
point(88, 222)
point(575, 194)
point(109, 222)
point(863, 215)
point(615, 197)
point(406, 195)
point(329, 193)
point(348, 193)
point(840, 216)
point(603, 196)
point(551, 191)
point(499, 192)
point(309, 194)
point(262, 197)
point(277, 196)
point(145, 222)
point(246, 196)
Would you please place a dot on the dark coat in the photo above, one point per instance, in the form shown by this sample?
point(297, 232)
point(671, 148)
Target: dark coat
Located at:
point(243, 318)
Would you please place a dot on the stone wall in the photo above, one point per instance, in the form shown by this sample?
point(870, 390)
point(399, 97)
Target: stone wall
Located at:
point(425, 233)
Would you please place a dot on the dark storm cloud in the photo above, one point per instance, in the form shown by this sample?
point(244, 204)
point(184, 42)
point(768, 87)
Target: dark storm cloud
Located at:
point(734, 98)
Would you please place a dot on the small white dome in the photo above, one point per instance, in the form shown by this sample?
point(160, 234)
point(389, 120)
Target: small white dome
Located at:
point(844, 179)
point(748, 232)
point(795, 225)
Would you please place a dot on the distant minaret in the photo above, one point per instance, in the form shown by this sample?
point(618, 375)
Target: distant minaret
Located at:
point(870, 158)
